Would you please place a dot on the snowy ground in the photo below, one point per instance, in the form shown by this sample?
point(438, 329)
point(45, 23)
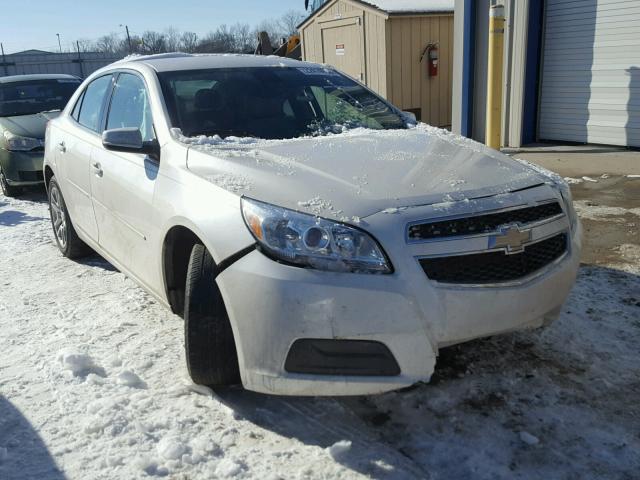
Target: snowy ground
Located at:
point(93, 385)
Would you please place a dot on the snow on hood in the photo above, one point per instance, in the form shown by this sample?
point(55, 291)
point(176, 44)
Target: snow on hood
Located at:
point(359, 172)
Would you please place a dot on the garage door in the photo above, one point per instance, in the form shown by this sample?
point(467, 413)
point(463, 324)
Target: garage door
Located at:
point(591, 72)
point(343, 46)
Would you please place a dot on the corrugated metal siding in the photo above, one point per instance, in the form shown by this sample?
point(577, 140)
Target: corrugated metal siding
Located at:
point(56, 63)
point(591, 72)
point(409, 85)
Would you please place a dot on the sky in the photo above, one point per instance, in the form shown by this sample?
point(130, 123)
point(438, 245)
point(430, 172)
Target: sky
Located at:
point(40, 20)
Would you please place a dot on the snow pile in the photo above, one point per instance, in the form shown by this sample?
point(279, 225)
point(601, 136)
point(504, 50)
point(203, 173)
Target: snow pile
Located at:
point(588, 210)
point(78, 363)
point(130, 379)
point(573, 181)
point(228, 468)
point(339, 449)
point(215, 140)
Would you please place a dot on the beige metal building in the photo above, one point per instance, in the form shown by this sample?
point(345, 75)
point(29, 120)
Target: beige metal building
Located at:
point(383, 43)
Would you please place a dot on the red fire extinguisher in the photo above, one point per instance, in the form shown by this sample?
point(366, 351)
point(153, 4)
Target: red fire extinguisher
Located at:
point(431, 52)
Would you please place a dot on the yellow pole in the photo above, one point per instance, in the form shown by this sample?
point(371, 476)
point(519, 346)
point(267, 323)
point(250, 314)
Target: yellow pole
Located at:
point(494, 77)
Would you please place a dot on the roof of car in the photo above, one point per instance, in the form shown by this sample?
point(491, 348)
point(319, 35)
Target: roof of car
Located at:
point(37, 76)
point(184, 61)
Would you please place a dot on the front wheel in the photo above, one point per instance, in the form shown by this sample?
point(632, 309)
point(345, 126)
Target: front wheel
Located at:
point(208, 338)
point(66, 237)
point(8, 190)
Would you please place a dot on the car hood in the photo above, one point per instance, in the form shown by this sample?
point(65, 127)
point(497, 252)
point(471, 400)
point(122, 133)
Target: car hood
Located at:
point(32, 126)
point(361, 172)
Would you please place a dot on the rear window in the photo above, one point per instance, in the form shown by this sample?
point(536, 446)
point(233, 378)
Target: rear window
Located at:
point(272, 102)
point(35, 96)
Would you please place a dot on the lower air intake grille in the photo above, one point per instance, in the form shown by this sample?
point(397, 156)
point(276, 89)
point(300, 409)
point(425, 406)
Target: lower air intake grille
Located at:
point(495, 267)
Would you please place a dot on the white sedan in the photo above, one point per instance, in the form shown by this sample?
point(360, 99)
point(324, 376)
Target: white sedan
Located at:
point(315, 239)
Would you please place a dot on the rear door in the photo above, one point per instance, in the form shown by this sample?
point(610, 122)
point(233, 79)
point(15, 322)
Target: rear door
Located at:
point(75, 145)
point(123, 184)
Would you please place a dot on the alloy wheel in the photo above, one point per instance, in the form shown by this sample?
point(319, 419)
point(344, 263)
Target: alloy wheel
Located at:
point(58, 217)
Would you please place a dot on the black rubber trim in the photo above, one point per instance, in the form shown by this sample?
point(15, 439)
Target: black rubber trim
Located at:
point(227, 262)
point(341, 357)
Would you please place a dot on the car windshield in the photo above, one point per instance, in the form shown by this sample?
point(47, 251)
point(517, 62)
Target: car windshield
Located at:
point(34, 96)
point(272, 102)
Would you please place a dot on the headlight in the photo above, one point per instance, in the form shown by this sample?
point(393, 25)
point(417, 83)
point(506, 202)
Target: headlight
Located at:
point(17, 143)
point(565, 192)
point(309, 241)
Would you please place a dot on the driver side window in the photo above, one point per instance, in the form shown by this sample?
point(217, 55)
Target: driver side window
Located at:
point(130, 106)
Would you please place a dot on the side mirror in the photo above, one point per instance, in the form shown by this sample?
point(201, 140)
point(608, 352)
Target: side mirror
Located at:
point(129, 139)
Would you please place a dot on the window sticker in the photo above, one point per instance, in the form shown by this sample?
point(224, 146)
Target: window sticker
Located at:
point(318, 71)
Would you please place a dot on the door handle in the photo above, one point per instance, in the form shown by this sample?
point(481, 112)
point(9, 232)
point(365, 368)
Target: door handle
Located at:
point(62, 147)
point(98, 169)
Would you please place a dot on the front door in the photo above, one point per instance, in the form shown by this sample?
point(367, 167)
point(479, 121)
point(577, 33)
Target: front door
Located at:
point(123, 184)
point(343, 46)
point(74, 154)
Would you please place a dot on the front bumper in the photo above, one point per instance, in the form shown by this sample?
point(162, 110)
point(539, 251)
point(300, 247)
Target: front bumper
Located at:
point(22, 168)
point(271, 305)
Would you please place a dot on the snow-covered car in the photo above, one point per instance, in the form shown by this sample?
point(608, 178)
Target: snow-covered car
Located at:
point(27, 103)
point(316, 240)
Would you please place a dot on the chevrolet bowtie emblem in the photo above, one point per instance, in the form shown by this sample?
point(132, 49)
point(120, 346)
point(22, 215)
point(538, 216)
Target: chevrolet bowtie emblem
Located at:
point(510, 238)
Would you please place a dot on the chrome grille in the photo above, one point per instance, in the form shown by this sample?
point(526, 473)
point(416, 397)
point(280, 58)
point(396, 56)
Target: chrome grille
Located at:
point(481, 224)
point(495, 266)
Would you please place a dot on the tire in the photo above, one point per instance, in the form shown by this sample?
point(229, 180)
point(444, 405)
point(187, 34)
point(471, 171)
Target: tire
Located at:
point(66, 237)
point(8, 190)
point(210, 349)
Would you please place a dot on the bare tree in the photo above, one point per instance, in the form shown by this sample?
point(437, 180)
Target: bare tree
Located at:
point(108, 43)
point(237, 38)
point(153, 42)
point(172, 39)
point(290, 20)
point(272, 27)
point(220, 41)
point(189, 42)
point(243, 38)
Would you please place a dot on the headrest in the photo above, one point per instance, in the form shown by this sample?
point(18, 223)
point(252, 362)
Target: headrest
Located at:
point(205, 99)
